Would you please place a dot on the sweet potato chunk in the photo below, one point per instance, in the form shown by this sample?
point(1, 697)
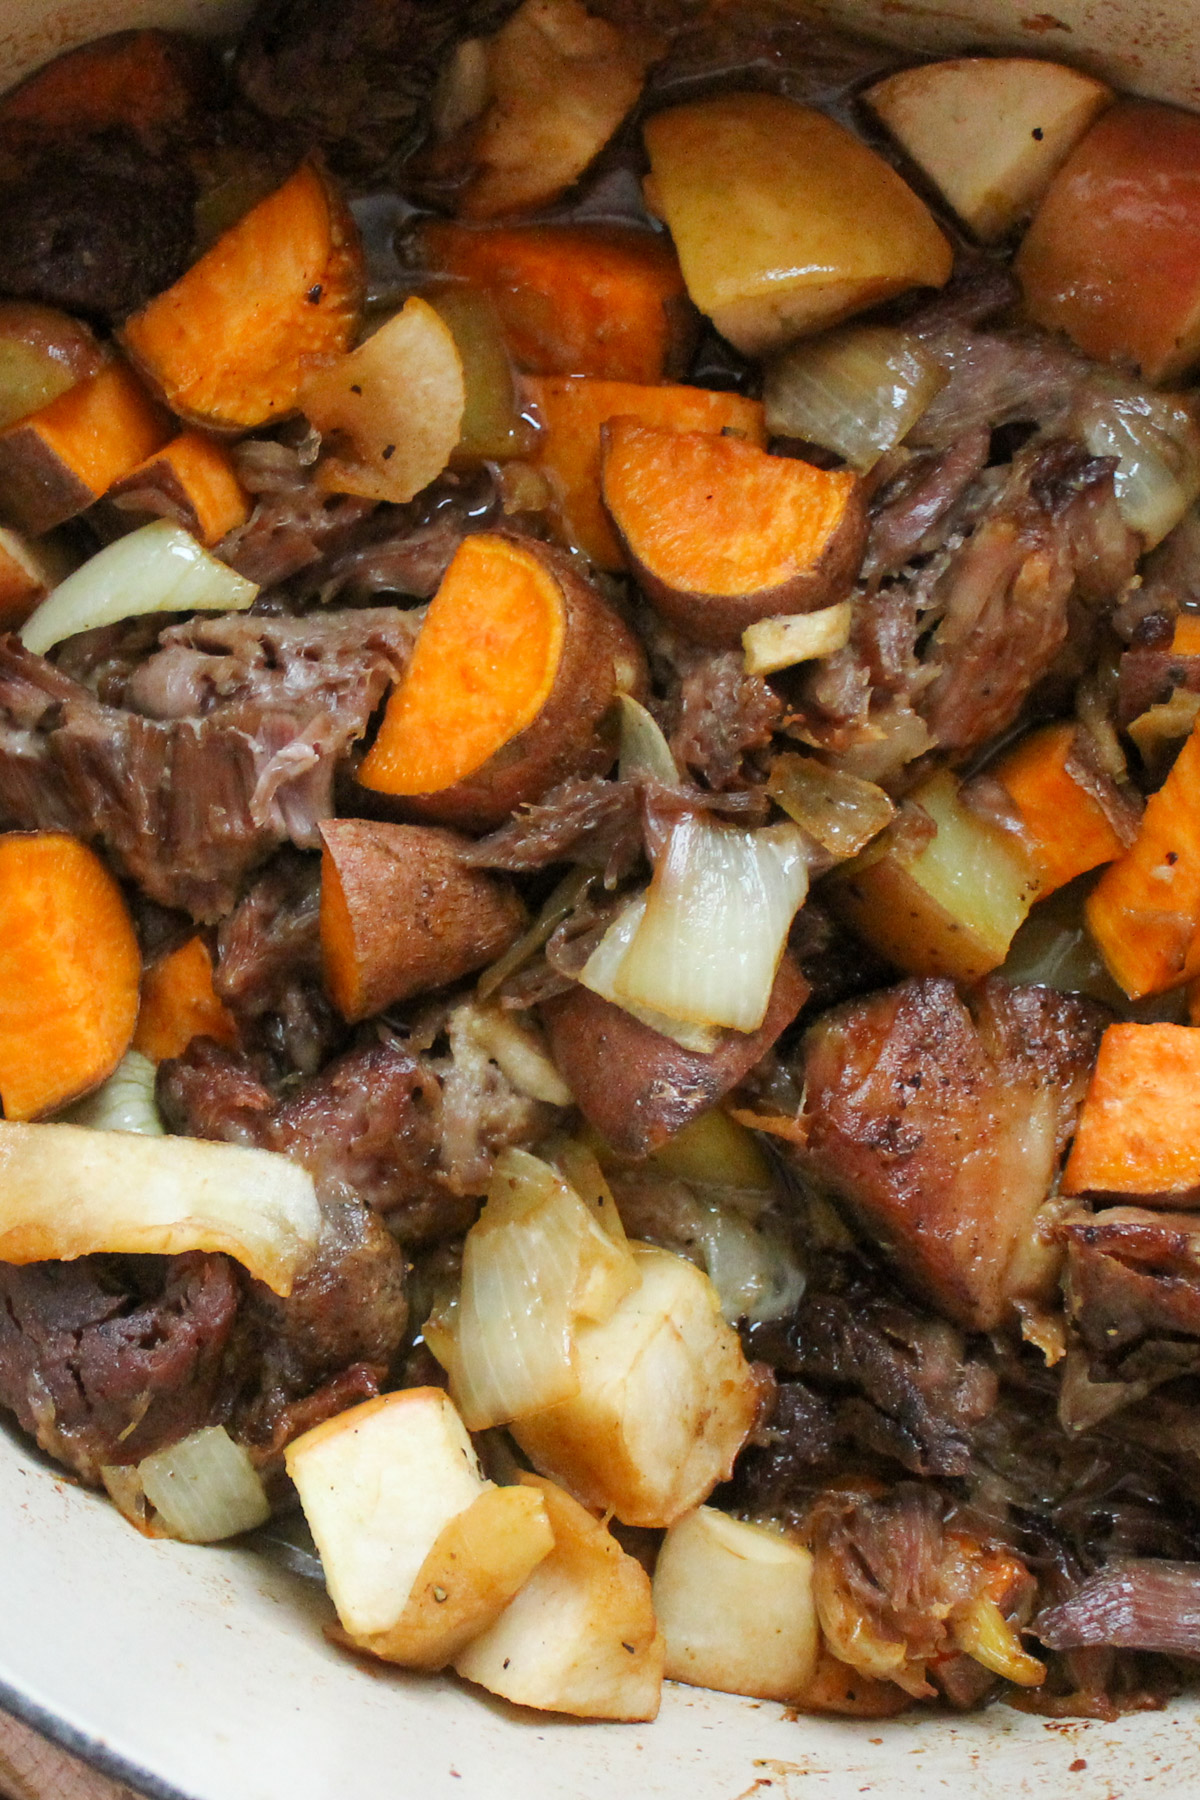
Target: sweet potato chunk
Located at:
point(43, 352)
point(400, 913)
point(721, 534)
point(59, 460)
point(146, 81)
point(179, 1003)
point(27, 573)
point(229, 345)
point(69, 968)
point(557, 83)
point(574, 299)
point(1069, 829)
point(637, 1087)
point(571, 412)
point(1139, 1131)
point(518, 662)
point(942, 1128)
point(191, 480)
point(784, 221)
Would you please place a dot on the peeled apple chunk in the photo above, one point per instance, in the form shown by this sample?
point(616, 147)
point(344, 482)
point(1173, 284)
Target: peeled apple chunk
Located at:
point(398, 399)
point(580, 1637)
point(1113, 255)
point(68, 1191)
point(665, 1402)
point(420, 1552)
point(784, 221)
point(735, 1605)
point(158, 568)
point(990, 132)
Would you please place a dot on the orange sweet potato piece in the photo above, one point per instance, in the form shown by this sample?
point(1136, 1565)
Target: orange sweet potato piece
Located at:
point(515, 669)
point(1139, 1131)
point(147, 81)
point(596, 300)
point(179, 1003)
point(43, 352)
point(230, 344)
point(58, 461)
point(637, 1087)
point(571, 411)
point(1144, 912)
point(401, 913)
point(192, 479)
point(69, 969)
point(27, 573)
point(720, 533)
point(1068, 829)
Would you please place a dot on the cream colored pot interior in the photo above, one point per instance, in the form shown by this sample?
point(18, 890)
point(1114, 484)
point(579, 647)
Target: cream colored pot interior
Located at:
point(204, 1674)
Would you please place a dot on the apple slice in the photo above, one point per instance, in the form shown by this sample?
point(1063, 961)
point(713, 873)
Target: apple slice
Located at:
point(1113, 255)
point(735, 1604)
point(665, 1402)
point(580, 1637)
point(420, 1551)
point(783, 220)
point(991, 132)
point(68, 1191)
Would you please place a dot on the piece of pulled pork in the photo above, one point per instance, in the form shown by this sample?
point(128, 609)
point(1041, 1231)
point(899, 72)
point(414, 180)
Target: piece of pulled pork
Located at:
point(941, 1122)
point(225, 744)
point(268, 967)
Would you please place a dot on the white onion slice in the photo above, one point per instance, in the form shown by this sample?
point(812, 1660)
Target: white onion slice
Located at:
point(1157, 443)
point(205, 1487)
point(754, 1271)
point(795, 638)
point(158, 569)
point(716, 922)
point(125, 1102)
point(644, 750)
point(601, 973)
point(66, 1191)
point(856, 391)
point(842, 812)
point(535, 1263)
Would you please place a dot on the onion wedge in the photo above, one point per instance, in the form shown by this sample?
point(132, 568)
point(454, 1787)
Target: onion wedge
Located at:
point(67, 1191)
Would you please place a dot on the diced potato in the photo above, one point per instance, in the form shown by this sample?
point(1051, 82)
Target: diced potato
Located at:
point(666, 1400)
point(784, 221)
point(580, 1637)
point(990, 132)
point(735, 1605)
point(947, 906)
point(399, 400)
point(419, 1551)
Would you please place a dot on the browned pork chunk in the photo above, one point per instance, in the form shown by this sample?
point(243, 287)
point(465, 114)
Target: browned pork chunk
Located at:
point(1133, 1292)
point(942, 1128)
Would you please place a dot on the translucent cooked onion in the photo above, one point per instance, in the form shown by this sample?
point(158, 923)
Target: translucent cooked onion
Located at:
point(204, 1488)
point(780, 643)
point(644, 750)
point(754, 1270)
point(125, 1102)
point(716, 921)
point(536, 1263)
point(856, 391)
point(157, 569)
point(1157, 443)
point(602, 970)
point(841, 812)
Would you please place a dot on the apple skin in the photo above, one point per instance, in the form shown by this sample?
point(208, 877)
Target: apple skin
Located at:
point(1113, 255)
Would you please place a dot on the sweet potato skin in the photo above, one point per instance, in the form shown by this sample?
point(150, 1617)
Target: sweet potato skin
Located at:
point(411, 915)
point(638, 1088)
point(719, 619)
point(572, 734)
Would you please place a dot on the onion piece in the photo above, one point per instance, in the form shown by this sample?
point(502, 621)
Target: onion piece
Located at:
point(204, 1488)
point(754, 1270)
point(795, 638)
point(157, 569)
point(717, 917)
point(856, 391)
point(535, 1263)
point(842, 812)
point(644, 750)
point(66, 1191)
point(1157, 443)
point(125, 1102)
point(601, 973)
